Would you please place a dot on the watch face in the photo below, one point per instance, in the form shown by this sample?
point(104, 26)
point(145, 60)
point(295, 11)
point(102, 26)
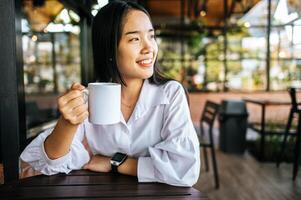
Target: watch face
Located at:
point(118, 157)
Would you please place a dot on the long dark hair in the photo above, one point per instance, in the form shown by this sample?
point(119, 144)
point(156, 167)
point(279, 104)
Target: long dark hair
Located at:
point(106, 34)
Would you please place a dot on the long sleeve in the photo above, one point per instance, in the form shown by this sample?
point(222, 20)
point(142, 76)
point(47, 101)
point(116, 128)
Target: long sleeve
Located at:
point(34, 154)
point(176, 159)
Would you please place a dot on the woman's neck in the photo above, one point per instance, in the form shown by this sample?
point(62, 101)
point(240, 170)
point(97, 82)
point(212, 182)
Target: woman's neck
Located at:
point(130, 93)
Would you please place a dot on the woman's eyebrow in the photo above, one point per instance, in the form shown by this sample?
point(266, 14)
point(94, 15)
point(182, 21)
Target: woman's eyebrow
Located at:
point(137, 32)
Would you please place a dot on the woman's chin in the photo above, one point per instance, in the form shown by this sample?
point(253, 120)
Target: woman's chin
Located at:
point(148, 75)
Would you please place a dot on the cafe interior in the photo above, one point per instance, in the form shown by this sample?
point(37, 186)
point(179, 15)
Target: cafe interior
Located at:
point(240, 61)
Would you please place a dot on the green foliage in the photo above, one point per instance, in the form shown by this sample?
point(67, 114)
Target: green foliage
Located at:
point(195, 44)
point(234, 67)
point(170, 62)
point(273, 145)
point(213, 50)
point(214, 69)
point(258, 77)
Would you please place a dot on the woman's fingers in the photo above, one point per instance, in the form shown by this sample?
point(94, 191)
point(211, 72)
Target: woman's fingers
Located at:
point(76, 114)
point(63, 100)
point(72, 105)
point(80, 109)
point(98, 163)
point(78, 101)
point(77, 86)
point(76, 119)
point(81, 117)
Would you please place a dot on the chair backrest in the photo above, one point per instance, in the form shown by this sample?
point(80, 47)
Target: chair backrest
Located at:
point(292, 93)
point(209, 113)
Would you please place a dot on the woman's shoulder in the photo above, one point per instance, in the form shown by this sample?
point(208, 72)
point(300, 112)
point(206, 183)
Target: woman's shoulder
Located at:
point(172, 88)
point(172, 85)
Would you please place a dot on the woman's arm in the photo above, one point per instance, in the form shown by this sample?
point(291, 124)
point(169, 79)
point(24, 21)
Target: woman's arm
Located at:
point(73, 112)
point(129, 167)
point(61, 150)
point(59, 141)
point(35, 155)
point(101, 163)
point(175, 160)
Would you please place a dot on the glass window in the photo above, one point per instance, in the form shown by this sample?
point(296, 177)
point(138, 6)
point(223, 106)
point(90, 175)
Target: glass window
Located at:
point(51, 57)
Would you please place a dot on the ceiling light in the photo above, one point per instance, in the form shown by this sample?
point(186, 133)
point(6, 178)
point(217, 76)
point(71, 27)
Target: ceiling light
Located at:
point(102, 3)
point(74, 16)
point(203, 13)
point(34, 38)
point(94, 12)
point(65, 16)
point(247, 24)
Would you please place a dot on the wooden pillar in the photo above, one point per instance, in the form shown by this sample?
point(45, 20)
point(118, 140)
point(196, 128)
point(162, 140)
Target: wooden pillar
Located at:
point(206, 69)
point(87, 69)
point(225, 49)
point(12, 99)
point(86, 51)
point(268, 53)
point(182, 22)
point(53, 62)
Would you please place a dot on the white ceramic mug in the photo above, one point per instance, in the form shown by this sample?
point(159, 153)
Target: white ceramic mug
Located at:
point(104, 101)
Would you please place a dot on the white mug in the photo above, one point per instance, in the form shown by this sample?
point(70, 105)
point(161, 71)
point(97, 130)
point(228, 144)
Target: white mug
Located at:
point(104, 101)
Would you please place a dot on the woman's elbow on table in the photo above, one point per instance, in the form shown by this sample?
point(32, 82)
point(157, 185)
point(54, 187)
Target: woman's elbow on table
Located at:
point(190, 178)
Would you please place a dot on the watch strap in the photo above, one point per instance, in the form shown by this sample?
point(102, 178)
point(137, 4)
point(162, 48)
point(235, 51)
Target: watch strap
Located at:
point(115, 166)
point(114, 169)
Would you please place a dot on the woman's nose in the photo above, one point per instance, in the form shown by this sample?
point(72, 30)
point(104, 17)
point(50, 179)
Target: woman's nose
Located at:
point(147, 47)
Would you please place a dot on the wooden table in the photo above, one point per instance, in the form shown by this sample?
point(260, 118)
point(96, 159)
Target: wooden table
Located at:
point(90, 185)
point(263, 103)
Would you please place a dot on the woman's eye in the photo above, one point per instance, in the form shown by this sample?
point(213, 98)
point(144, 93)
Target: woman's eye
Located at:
point(153, 36)
point(134, 39)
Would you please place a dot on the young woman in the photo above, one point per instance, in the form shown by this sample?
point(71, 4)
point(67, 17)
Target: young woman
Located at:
point(155, 140)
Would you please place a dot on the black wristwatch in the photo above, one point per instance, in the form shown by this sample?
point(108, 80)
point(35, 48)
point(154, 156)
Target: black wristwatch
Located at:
point(117, 160)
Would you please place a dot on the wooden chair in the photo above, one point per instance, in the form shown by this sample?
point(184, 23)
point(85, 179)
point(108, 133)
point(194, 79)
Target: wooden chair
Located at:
point(208, 117)
point(295, 109)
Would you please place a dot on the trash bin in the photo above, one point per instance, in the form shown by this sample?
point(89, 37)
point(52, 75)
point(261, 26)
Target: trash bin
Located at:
point(233, 126)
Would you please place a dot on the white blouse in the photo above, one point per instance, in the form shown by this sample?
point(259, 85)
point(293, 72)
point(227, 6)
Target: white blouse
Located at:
point(159, 133)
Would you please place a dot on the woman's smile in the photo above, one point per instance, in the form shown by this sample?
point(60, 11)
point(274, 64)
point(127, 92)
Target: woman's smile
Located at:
point(146, 62)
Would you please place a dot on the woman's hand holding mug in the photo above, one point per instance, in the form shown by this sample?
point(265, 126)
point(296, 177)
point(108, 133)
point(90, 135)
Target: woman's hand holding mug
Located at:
point(72, 105)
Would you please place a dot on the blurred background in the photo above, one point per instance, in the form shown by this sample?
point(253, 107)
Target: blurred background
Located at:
point(207, 46)
point(218, 49)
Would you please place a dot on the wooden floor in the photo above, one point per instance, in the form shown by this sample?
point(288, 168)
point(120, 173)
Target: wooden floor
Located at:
point(243, 178)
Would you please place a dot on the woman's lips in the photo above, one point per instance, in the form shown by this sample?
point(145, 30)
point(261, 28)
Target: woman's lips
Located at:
point(146, 62)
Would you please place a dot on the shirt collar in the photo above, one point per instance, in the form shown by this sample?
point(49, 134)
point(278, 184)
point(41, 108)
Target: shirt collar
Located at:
point(150, 96)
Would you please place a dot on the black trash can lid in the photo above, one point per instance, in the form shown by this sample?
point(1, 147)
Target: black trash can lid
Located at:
point(233, 107)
